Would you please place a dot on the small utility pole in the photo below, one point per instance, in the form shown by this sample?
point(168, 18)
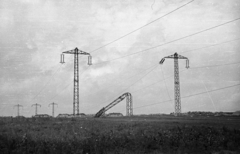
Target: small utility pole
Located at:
point(176, 80)
point(18, 106)
point(52, 108)
point(36, 105)
point(76, 52)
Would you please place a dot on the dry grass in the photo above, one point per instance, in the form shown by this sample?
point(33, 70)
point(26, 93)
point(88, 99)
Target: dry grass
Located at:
point(165, 134)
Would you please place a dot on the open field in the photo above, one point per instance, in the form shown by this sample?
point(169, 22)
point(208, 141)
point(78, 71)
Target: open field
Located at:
point(145, 134)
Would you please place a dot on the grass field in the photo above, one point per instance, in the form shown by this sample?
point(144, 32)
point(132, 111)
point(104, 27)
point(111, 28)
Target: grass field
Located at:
point(155, 134)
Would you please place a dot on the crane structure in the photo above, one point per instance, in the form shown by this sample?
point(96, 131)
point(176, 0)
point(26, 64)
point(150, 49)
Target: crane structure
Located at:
point(177, 96)
point(18, 106)
point(129, 106)
point(76, 52)
point(52, 107)
point(36, 106)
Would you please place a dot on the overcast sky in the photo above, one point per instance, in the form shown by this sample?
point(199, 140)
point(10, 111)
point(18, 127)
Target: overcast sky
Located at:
point(33, 34)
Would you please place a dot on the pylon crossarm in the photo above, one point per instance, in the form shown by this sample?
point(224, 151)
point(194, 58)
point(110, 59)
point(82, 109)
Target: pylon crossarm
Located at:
point(70, 51)
point(82, 52)
point(171, 56)
point(182, 57)
point(17, 106)
point(36, 105)
point(76, 51)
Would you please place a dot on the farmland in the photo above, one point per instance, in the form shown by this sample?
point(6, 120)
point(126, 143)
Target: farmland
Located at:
point(145, 134)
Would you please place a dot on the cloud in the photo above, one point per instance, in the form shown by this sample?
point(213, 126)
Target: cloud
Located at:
point(35, 33)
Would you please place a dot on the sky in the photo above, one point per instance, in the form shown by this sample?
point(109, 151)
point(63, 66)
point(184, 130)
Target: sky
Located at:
point(33, 34)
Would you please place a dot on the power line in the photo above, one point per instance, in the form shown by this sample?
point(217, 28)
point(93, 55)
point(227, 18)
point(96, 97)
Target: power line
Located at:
point(164, 78)
point(136, 81)
point(188, 96)
point(171, 41)
point(46, 83)
point(156, 82)
point(141, 78)
point(124, 80)
point(211, 91)
point(67, 85)
point(165, 83)
point(141, 27)
point(215, 65)
point(211, 45)
point(183, 71)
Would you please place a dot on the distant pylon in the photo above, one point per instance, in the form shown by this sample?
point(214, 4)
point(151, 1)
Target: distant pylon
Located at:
point(52, 108)
point(18, 106)
point(36, 105)
point(177, 95)
point(76, 52)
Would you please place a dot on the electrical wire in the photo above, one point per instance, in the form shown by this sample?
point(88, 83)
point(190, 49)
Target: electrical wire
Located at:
point(170, 41)
point(140, 78)
point(141, 27)
point(188, 96)
point(215, 65)
point(210, 97)
point(45, 84)
point(211, 45)
point(67, 86)
point(120, 83)
point(184, 71)
point(133, 83)
point(170, 77)
point(165, 83)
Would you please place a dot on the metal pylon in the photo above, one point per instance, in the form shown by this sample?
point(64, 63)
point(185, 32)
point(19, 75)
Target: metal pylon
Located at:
point(177, 86)
point(76, 85)
point(129, 106)
point(18, 106)
point(177, 96)
point(36, 105)
point(76, 52)
point(52, 108)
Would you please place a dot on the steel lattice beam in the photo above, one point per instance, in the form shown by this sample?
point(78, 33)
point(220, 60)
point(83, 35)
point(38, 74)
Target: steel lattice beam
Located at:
point(177, 87)
point(129, 109)
point(76, 85)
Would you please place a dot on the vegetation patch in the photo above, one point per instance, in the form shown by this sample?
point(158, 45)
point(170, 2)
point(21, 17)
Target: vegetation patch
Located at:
point(111, 136)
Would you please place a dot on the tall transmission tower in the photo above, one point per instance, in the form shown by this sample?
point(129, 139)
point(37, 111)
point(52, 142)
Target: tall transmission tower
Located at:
point(177, 96)
point(52, 108)
point(18, 106)
point(76, 52)
point(36, 105)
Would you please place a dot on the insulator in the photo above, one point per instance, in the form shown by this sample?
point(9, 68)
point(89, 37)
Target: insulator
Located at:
point(62, 58)
point(187, 63)
point(161, 62)
point(89, 60)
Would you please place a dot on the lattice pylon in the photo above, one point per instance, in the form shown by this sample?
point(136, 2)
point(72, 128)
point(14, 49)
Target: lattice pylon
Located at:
point(177, 96)
point(177, 87)
point(76, 85)
point(129, 106)
point(76, 52)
